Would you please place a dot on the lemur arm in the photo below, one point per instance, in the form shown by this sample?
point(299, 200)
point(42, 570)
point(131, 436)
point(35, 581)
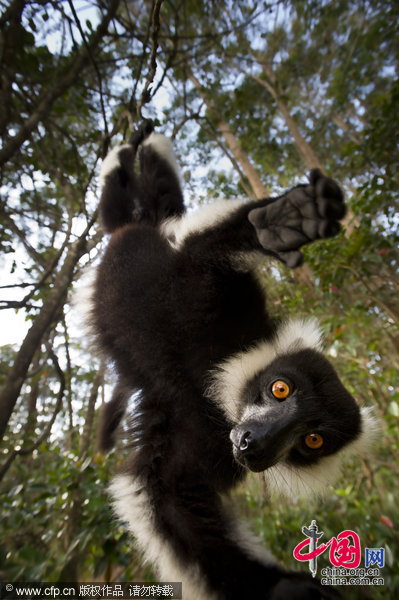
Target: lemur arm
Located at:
point(280, 226)
point(277, 226)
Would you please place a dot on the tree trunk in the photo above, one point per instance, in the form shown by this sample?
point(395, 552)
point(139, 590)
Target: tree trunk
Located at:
point(302, 274)
point(231, 141)
point(32, 400)
point(339, 121)
point(306, 152)
point(90, 412)
point(309, 157)
point(51, 307)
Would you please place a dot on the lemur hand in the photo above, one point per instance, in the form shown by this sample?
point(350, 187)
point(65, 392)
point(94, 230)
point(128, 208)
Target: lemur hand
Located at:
point(301, 586)
point(298, 217)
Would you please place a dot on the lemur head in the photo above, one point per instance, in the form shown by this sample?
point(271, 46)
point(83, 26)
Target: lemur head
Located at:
point(291, 415)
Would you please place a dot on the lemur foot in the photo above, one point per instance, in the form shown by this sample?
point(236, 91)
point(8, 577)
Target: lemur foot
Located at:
point(301, 586)
point(141, 133)
point(302, 215)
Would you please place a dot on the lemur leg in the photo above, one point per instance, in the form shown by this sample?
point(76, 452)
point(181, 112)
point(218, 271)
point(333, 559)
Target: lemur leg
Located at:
point(160, 191)
point(119, 186)
point(146, 195)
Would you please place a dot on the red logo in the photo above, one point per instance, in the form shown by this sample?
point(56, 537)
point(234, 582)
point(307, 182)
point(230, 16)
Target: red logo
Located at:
point(344, 549)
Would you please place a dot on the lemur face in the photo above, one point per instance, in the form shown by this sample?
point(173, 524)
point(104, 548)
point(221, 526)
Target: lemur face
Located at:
point(294, 412)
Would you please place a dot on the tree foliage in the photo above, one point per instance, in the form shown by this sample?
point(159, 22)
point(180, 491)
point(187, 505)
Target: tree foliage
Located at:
point(255, 94)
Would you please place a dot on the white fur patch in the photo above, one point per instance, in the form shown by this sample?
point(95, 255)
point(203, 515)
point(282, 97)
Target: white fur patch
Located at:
point(132, 504)
point(83, 301)
point(370, 428)
point(111, 162)
point(297, 334)
point(231, 376)
point(177, 229)
point(163, 147)
point(293, 482)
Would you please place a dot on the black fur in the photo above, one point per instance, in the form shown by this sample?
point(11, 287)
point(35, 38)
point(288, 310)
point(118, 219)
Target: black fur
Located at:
point(111, 415)
point(167, 317)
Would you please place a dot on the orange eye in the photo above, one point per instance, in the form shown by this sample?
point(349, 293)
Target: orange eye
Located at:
point(280, 389)
point(314, 440)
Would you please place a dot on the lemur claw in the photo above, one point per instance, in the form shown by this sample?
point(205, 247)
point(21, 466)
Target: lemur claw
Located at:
point(298, 217)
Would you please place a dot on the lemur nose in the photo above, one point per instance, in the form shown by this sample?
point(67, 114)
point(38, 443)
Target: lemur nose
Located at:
point(245, 441)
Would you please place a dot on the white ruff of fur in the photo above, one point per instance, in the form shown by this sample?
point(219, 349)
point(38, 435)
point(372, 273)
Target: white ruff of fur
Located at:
point(132, 504)
point(163, 147)
point(177, 229)
point(232, 376)
point(286, 480)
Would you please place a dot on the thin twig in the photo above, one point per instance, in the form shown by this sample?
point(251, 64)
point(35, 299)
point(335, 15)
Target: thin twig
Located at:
point(155, 25)
point(95, 65)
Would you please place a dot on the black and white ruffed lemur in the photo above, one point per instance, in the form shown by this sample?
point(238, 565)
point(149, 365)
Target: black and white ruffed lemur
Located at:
point(221, 387)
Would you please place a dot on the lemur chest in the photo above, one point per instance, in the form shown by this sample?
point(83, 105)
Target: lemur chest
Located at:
point(227, 315)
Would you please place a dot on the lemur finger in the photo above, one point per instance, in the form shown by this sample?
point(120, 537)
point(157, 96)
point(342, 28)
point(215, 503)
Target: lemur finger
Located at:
point(314, 176)
point(291, 259)
point(330, 208)
point(330, 199)
point(328, 229)
point(325, 186)
point(257, 217)
point(329, 196)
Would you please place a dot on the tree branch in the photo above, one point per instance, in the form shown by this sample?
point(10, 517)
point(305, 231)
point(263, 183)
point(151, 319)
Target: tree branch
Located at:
point(48, 313)
point(155, 24)
point(50, 96)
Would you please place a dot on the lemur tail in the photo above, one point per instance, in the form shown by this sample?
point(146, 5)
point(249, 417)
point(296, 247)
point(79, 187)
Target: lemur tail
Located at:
point(147, 196)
